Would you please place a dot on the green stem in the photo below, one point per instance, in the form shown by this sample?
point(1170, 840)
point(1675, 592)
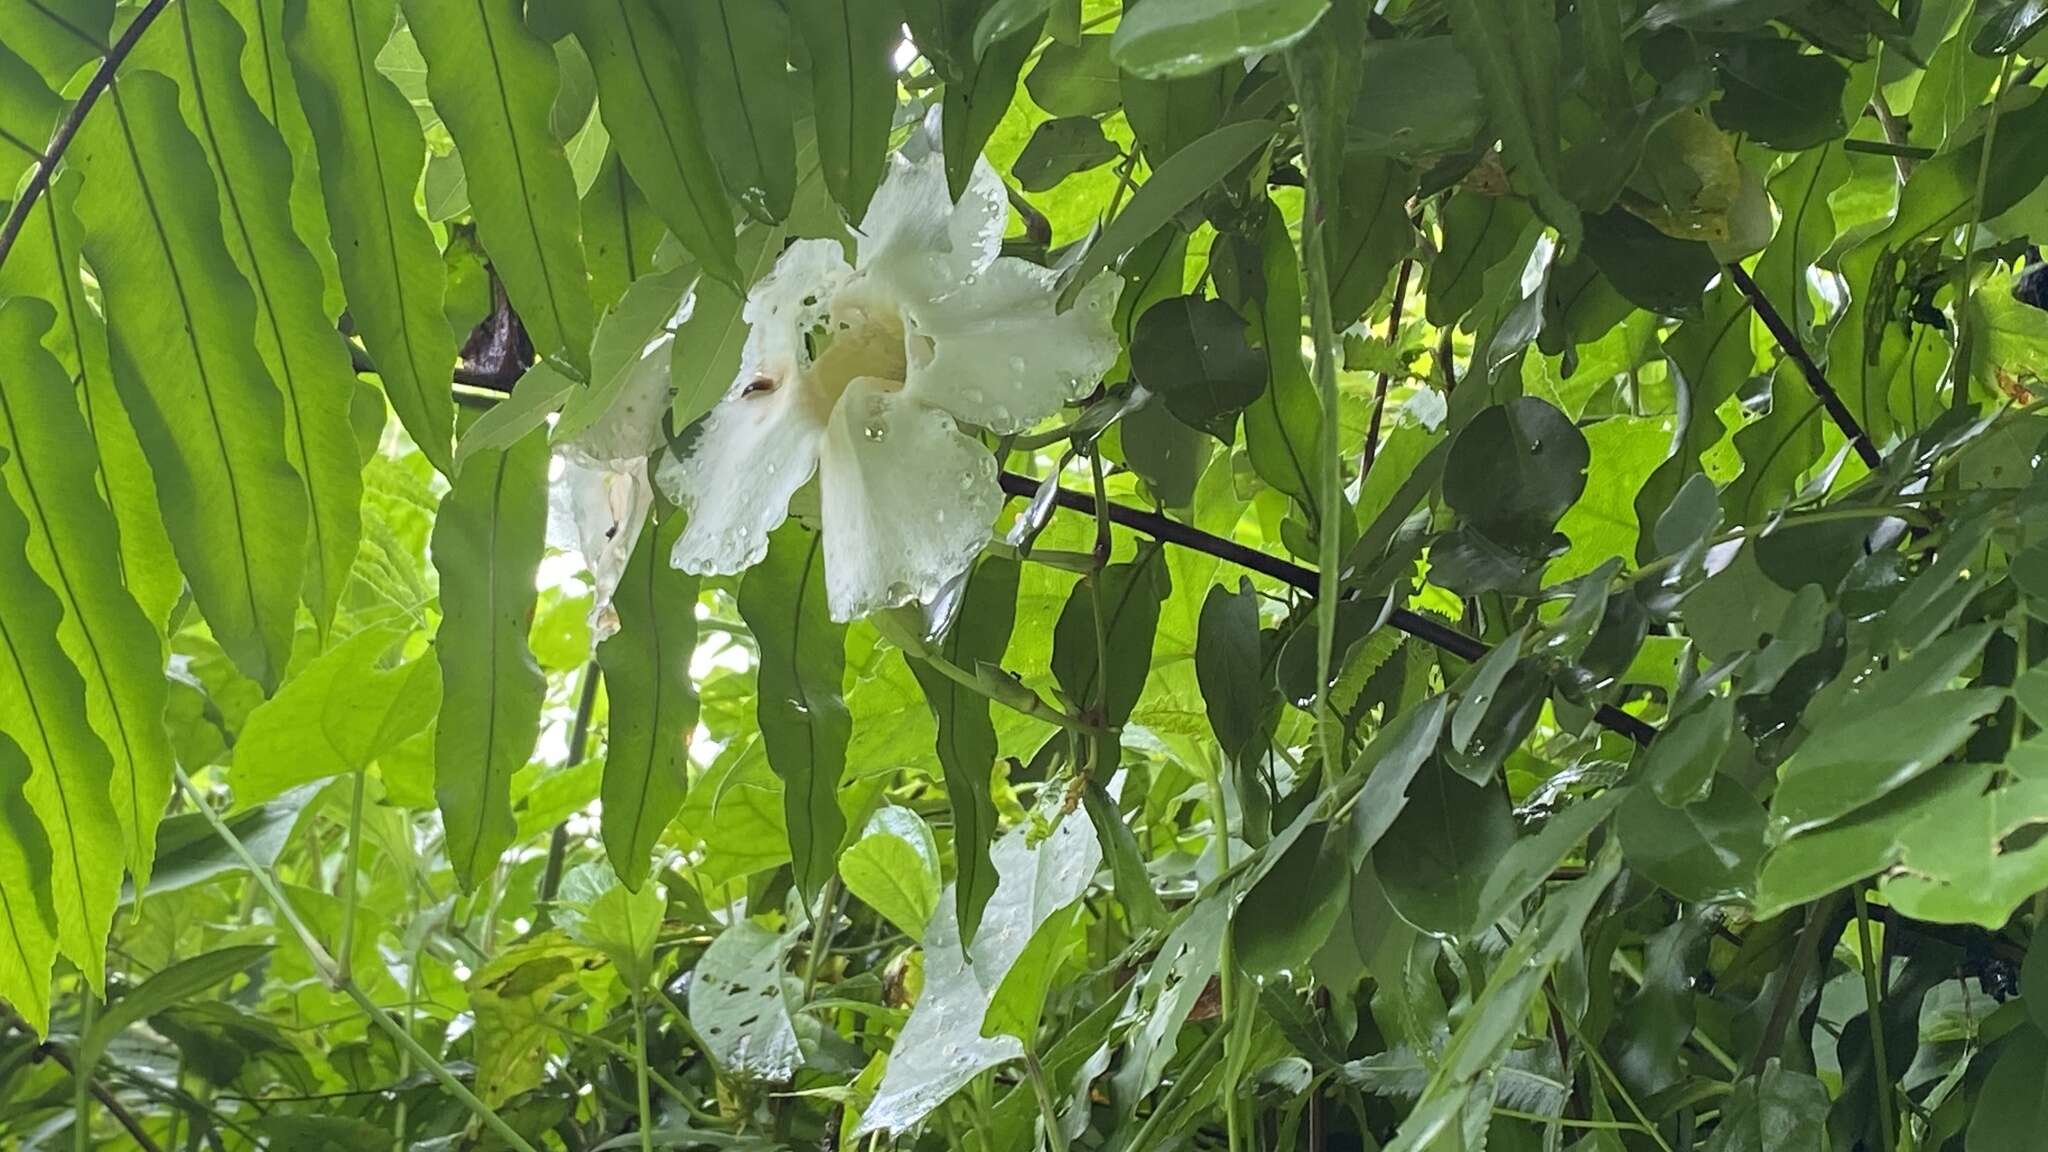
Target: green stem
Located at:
point(330, 972)
point(352, 860)
point(1873, 1002)
point(1960, 372)
point(640, 1072)
point(1023, 702)
point(1055, 1138)
point(821, 934)
point(81, 1072)
point(1330, 501)
point(1103, 543)
point(1227, 1007)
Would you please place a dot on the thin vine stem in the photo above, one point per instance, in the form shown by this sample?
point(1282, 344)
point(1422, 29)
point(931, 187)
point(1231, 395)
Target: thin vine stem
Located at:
point(331, 973)
point(1873, 1007)
point(640, 1071)
point(67, 128)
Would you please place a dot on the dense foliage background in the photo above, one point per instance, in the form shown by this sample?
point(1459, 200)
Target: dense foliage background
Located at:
point(1534, 644)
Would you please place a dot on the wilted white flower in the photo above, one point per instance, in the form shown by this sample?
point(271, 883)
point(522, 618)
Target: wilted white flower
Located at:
point(862, 375)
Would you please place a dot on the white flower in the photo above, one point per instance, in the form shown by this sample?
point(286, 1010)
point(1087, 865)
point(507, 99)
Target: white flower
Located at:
point(863, 374)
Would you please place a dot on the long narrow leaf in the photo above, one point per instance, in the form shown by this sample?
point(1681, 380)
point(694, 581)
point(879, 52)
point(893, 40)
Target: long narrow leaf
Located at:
point(181, 323)
point(74, 546)
point(389, 266)
point(802, 709)
point(644, 97)
point(487, 545)
point(298, 341)
point(494, 82)
point(653, 701)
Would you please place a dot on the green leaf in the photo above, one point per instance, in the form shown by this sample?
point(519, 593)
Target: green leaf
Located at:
point(540, 390)
point(1283, 428)
point(1004, 18)
point(894, 869)
point(44, 264)
point(1176, 183)
point(1372, 234)
point(385, 253)
point(618, 417)
point(1514, 470)
point(942, 1046)
point(1167, 454)
point(622, 922)
point(1525, 866)
point(979, 635)
point(1707, 851)
point(706, 356)
point(1167, 993)
point(494, 82)
point(336, 715)
point(2012, 1105)
point(28, 113)
point(299, 344)
point(801, 706)
point(1076, 79)
point(1512, 46)
point(509, 996)
point(2010, 26)
point(74, 546)
point(1479, 233)
point(1231, 667)
point(653, 702)
point(1058, 149)
point(1778, 94)
point(620, 231)
point(487, 545)
point(742, 89)
point(1417, 98)
point(28, 916)
point(1166, 38)
point(1867, 749)
point(1192, 353)
point(1130, 597)
point(56, 40)
point(1778, 1108)
point(206, 411)
point(853, 92)
point(1650, 269)
point(1436, 859)
point(977, 97)
point(1288, 913)
point(185, 980)
point(1679, 766)
point(43, 711)
point(738, 1005)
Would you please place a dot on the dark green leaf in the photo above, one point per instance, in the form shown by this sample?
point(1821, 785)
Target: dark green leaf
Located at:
point(487, 545)
point(1077, 79)
point(1192, 353)
point(742, 89)
point(853, 89)
point(1058, 149)
point(644, 95)
point(1514, 470)
point(1436, 859)
point(966, 736)
point(182, 981)
point(1512, 47)
point(1169, 38)
point(1417, 98)
point(386, 255)
point(1784, 98)
point(653, 702)
point(497, 104)
point(802, 710)
point(1130, 595)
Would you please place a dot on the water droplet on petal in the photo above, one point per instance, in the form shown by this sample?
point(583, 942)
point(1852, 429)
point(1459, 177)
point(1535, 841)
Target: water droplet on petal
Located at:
point(1016, 364)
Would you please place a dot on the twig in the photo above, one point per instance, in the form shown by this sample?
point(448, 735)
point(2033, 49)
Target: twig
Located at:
point(1804, 952)
point(1788, 342)
point(1379, 398)
point(558, 843)
point(99, 1091)
point(1432, 632)
point(1894, 135)
point(67, 128)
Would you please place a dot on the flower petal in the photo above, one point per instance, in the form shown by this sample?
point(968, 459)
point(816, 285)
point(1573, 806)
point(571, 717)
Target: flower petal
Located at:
point(908, 500)
point(795, 296)
point(1002, 356)
point(918, 240)
point(598, 507)
point(751, 455)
